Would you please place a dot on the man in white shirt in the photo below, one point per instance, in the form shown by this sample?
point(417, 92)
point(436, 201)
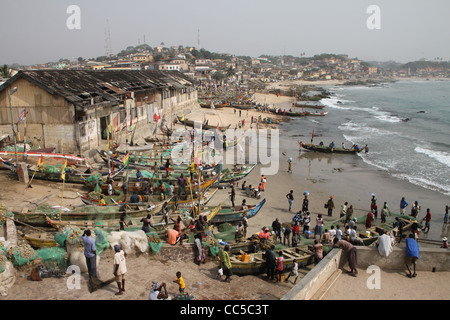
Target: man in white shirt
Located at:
point(120, 268)
point(384, 244)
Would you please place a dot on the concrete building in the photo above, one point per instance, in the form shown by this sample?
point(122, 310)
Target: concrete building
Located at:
point(71, 109)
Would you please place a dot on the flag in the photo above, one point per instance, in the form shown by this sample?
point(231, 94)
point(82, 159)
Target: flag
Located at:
point(126, 159)
point(22, 115)
point(156, 115)
point(41, 161)
point(63, 170)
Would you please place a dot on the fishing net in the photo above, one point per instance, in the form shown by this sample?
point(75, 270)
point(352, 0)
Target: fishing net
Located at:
point(101, 241)
point(3, 260)
point(154, 242)
point(21, 255)
point(53, 258)
point(60, 238)
point(184, 296)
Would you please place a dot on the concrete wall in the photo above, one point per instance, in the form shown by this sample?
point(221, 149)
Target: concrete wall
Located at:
point(320, 275)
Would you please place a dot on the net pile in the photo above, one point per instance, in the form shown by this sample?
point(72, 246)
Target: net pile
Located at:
point(101, 241)
point(4, 214)
point(21, 255)
point(53, 258)
point(154, 242)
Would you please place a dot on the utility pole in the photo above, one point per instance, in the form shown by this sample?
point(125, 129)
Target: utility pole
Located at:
point(11, 92)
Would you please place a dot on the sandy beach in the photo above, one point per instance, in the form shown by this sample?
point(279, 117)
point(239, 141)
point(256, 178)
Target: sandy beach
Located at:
point(346, 177)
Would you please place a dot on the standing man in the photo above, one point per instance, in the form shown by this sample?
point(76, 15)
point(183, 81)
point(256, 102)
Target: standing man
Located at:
point(276, 227)
point(232, 196)
point(181, 181)
point(270, 263)
point(330, 206)
point(412, 254)
point(403, 205)
point(351, 252)
point(120, 269)
point(305, 204)
point(427, 221)
point(290, 197)
point(290, 165)
point(90, 253)
point(343, 209)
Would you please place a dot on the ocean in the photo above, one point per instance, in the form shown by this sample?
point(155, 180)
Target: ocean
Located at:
point(406, 125)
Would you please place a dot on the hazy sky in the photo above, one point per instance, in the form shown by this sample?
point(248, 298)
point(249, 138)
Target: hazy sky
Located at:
point(35, 31)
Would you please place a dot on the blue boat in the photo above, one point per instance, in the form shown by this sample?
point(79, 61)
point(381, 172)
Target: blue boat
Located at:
point(236, 214)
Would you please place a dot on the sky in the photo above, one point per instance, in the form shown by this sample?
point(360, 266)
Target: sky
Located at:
point(36, 31)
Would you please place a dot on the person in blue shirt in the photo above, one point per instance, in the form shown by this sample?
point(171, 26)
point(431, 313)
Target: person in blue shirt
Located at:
point(412, 254)
point(403, 205)
point(90, 253)
point(139, 175)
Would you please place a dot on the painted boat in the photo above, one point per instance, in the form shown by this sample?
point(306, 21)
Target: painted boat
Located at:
point(90, 214)
point(309, 104)
point(287, 113)
point(216, 106)
point(257, 262)
point(315, 114)
point(91, 199)
point(229, 214)
point(228, 175)
point(191, 123)
point(327, 149)
point(48, 158)
point(40, 240)
point(244, 106)
point(71, 175)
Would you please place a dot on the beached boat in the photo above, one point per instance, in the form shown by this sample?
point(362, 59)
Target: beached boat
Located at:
point(228, 175)
point(39, 240)
point(93, 199)
point(328, 149)
point(256, 263)
point(92, 214)
point(230, 215)
point(72, 175)
point(309, 104)
point(191, 123)
point(287, 113)
point(214, 105)
point(244, 106)
point(48, 157)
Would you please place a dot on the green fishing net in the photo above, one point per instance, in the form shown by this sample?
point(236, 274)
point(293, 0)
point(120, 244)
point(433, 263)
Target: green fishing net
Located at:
point(21, 255)
point(154, 242)
point(101, 242)
point(53, 258)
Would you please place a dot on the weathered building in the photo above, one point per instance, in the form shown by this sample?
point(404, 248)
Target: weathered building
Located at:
point(71, 109)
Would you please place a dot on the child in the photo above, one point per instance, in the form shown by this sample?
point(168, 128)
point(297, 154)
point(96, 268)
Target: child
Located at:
point(294, 271)
point(280, 261)
point(180, 282)
point(219, 273)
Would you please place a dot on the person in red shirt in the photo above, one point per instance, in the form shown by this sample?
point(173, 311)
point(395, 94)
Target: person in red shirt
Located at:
point(427, 221)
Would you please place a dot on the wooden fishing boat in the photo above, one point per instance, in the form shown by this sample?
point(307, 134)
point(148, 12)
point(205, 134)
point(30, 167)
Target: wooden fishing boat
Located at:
point(309, 104)
point(48, 157)
point(257, 261)
point(39, 240)
point(315, 114)
point(93, 199)
point(92, 214)
point(244, 106)
point(235, 175)
point(287, 113)
point(328, 149)
point(216, 106)
point(191, 123)
point(229, 214)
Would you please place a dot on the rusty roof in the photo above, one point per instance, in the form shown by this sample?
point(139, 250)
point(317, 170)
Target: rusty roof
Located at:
point(81, 86)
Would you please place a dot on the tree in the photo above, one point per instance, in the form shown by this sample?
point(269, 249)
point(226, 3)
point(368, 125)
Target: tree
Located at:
point(218, 76)
point(5, 72)
point(230, 72)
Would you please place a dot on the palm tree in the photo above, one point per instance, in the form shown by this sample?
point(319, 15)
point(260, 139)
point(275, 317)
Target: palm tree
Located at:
point(230, 72)
point(5, 72)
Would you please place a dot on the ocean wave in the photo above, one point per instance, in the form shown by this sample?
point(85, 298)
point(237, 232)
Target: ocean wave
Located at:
point(441, 156)
point(364, 129)
point(425, 183)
